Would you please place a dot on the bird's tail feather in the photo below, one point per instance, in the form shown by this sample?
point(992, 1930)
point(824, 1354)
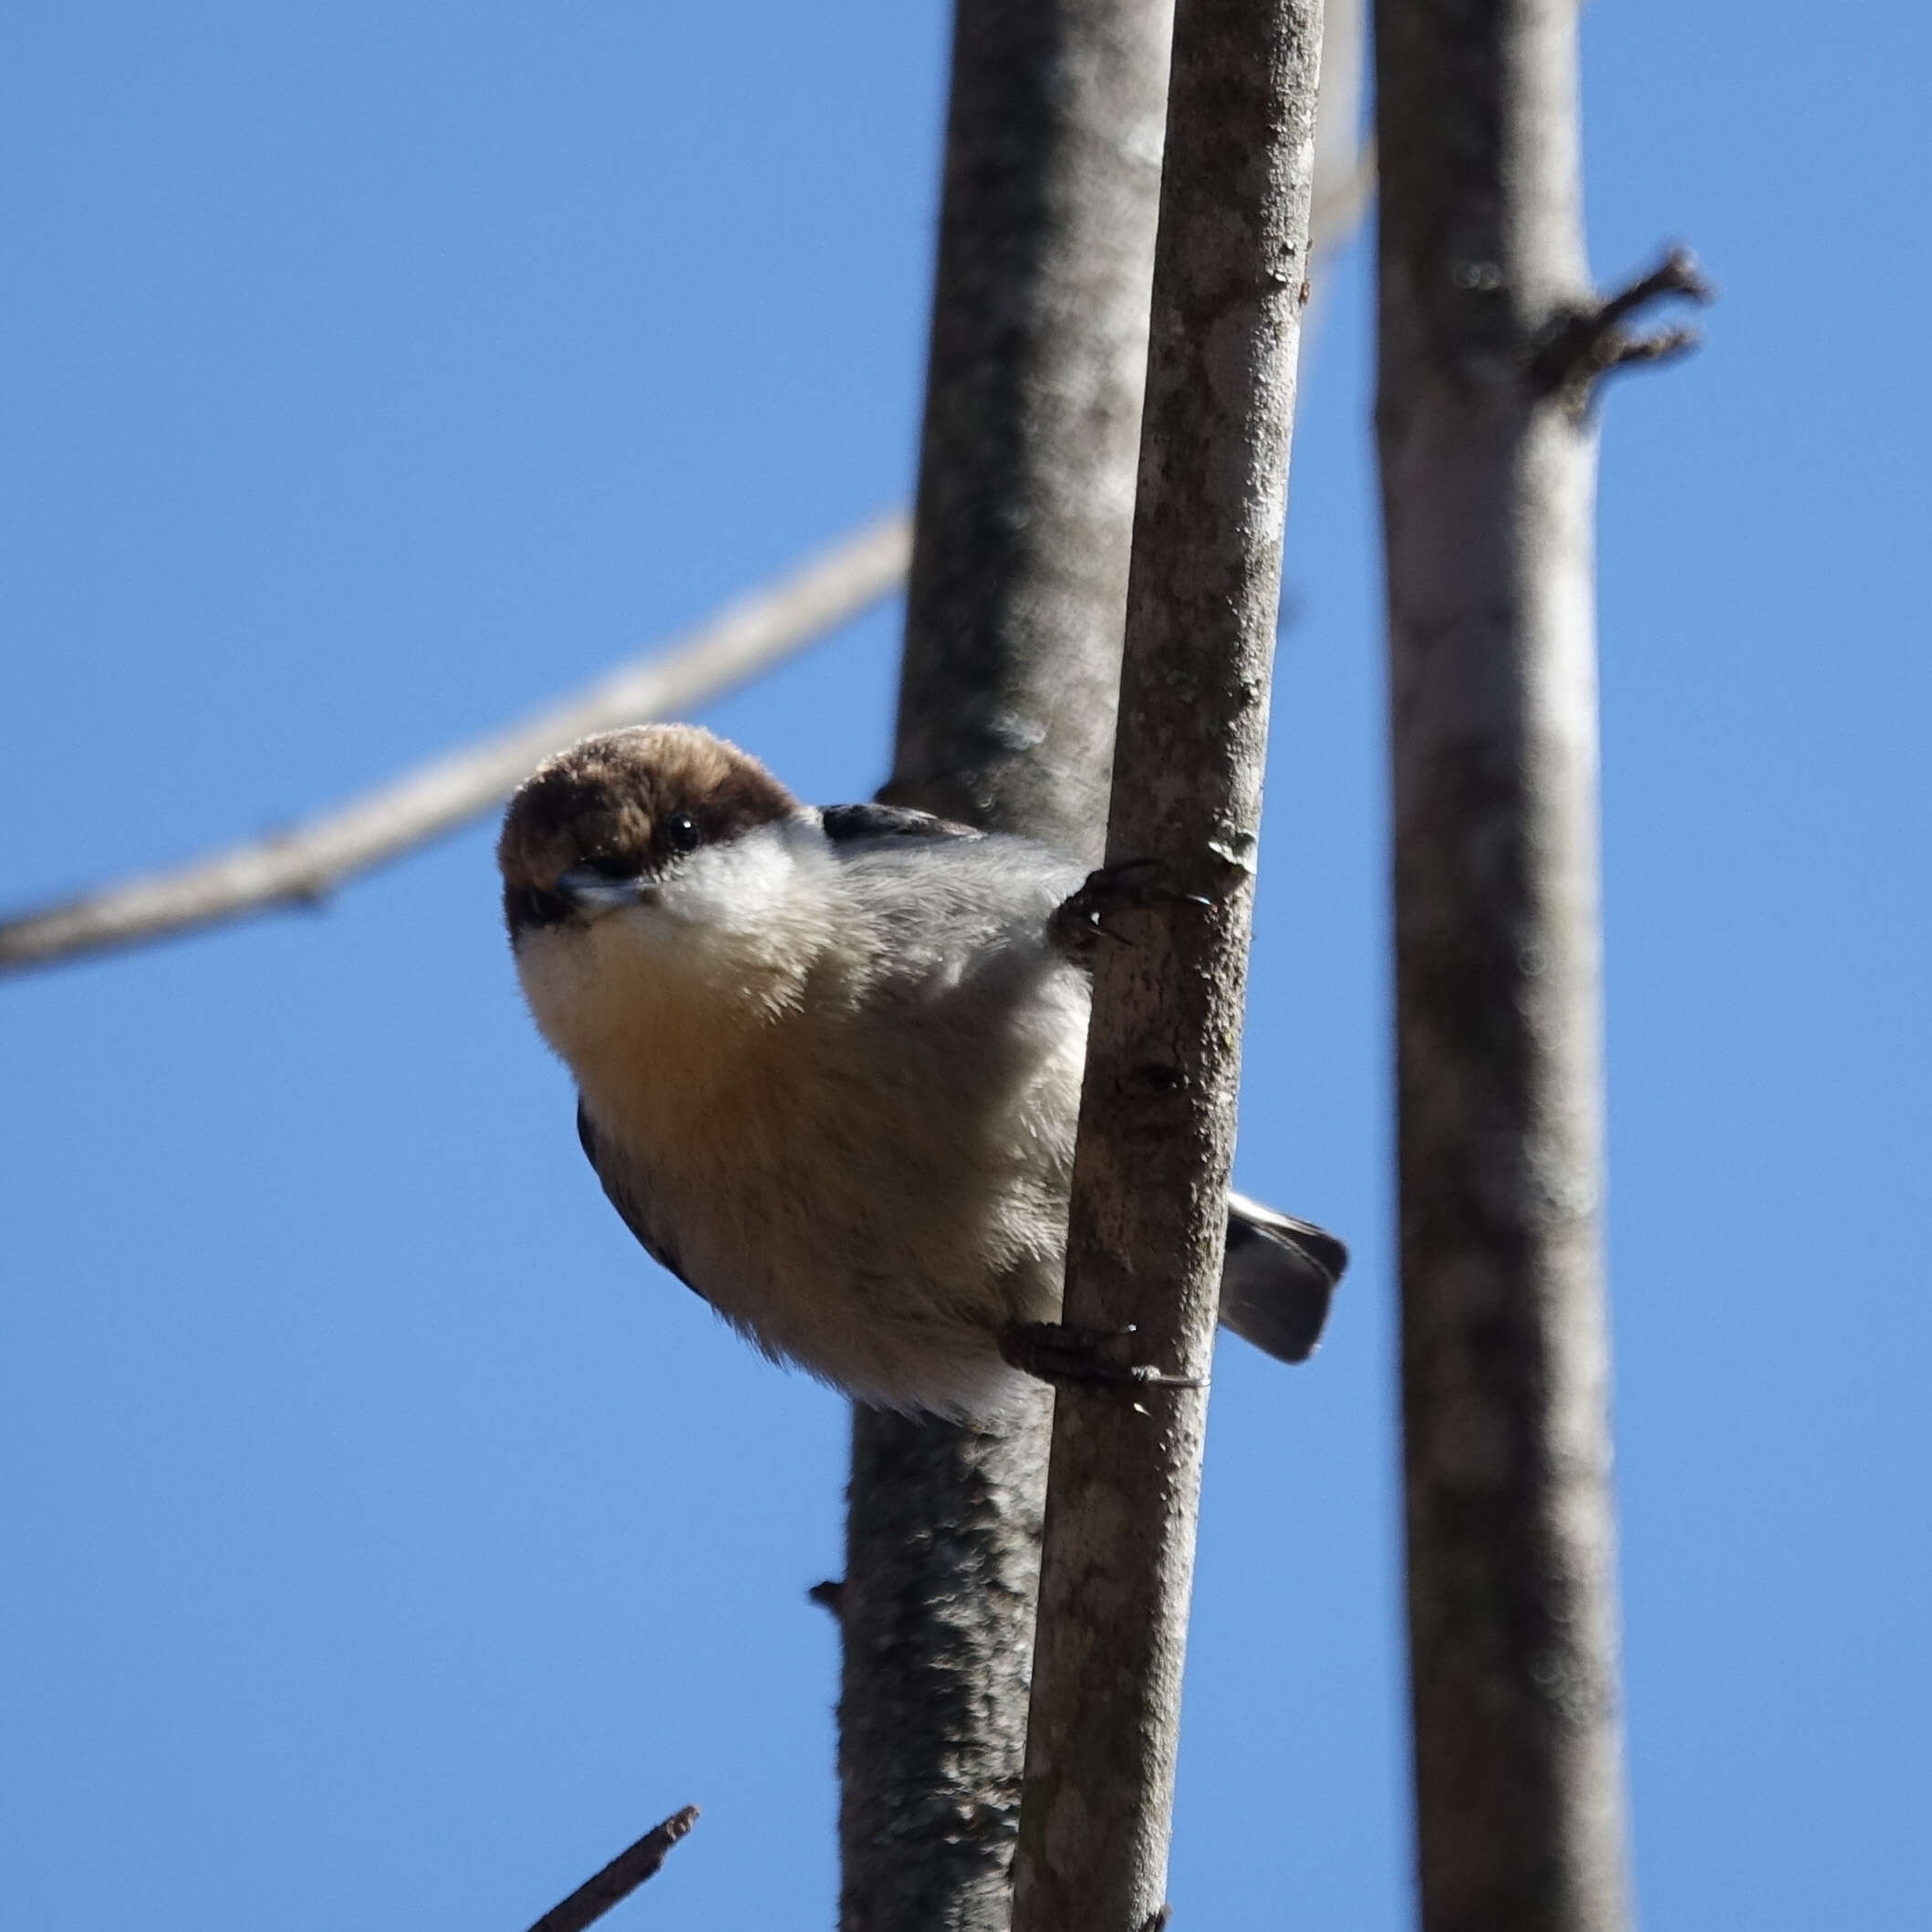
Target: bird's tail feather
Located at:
point(1279, 1279)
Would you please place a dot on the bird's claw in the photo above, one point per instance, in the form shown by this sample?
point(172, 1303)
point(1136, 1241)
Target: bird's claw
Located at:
point(1070, 1357)
point(1079, 921)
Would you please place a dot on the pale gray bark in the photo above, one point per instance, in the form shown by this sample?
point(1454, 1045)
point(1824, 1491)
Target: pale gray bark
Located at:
point(1490, 335)
point(1006, 709)
point(304, 864)
point(1157, 1131)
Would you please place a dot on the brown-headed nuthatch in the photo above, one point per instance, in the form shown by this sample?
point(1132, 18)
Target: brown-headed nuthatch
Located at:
point(829, 1065)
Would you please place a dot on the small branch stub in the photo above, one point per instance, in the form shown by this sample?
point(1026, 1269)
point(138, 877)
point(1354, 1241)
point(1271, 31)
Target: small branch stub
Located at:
point(619, 1878)
point(1584, 345)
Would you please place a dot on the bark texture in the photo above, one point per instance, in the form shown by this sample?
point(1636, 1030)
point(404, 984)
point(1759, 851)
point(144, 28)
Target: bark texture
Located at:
point(1156, 1130)
point(1027, 459)
point(943, 1557)
point(1488, 469)
point(1006, 714)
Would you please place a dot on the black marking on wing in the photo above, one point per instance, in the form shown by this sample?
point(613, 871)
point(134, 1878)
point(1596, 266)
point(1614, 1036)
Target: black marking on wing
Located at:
point(846, 824)
point(626, 1205)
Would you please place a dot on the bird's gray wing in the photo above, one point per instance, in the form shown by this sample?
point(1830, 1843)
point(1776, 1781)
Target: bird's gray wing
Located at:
point(1278, 1279)
point(934, 897)
point(1281, 1273)
point(628, 1206)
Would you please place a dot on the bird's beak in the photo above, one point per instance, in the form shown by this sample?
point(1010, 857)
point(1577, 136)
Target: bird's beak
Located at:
point(592, 894)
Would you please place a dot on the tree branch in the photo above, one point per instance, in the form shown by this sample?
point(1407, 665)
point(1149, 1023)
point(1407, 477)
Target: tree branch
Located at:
point(1345, 153)
point(1490, 335)
point(303, 865)
point(1148, 1216)
point(619, 1878)
point(1006, 719)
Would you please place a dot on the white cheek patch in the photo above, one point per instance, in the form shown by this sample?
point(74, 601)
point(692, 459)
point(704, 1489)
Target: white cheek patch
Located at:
point(738, 886)
point(734, 925)
point(745, 918)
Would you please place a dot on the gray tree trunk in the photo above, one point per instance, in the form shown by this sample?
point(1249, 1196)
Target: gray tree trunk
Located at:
point(1488, 472)
point(1006, 716)
point(1156, 1128)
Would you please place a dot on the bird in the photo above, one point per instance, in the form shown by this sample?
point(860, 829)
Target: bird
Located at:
point(828, 1066)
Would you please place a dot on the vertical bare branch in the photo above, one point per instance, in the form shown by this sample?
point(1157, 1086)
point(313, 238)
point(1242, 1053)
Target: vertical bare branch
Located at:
point(1006, 711)
point(1488, 478)
point(1033, 415)
point(1156, 1130)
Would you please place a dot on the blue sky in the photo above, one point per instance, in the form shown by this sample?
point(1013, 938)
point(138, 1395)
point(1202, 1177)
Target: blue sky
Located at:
point(386, 1544)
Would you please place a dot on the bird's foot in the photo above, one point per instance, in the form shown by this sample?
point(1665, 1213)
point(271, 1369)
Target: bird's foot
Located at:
point(1069, 1357)
point(1080, 921)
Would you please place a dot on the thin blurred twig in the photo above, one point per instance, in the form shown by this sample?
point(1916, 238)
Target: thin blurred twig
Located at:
point(303, 865)
point(619, 1878)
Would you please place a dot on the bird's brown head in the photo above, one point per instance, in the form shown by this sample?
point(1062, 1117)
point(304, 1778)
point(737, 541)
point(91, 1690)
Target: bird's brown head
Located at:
point(611, 814)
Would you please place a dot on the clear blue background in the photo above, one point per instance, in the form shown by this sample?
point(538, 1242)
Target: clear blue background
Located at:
point(386, 1544)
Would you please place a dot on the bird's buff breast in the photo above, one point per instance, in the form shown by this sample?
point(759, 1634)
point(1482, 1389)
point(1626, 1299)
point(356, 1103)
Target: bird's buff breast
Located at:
point(837, 1200)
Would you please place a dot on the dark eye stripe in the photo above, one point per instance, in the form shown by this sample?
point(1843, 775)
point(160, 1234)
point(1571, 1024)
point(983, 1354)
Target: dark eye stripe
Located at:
point(528, 906)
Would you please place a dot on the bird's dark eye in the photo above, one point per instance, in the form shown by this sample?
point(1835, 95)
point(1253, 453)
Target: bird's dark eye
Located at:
point(681, 833)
